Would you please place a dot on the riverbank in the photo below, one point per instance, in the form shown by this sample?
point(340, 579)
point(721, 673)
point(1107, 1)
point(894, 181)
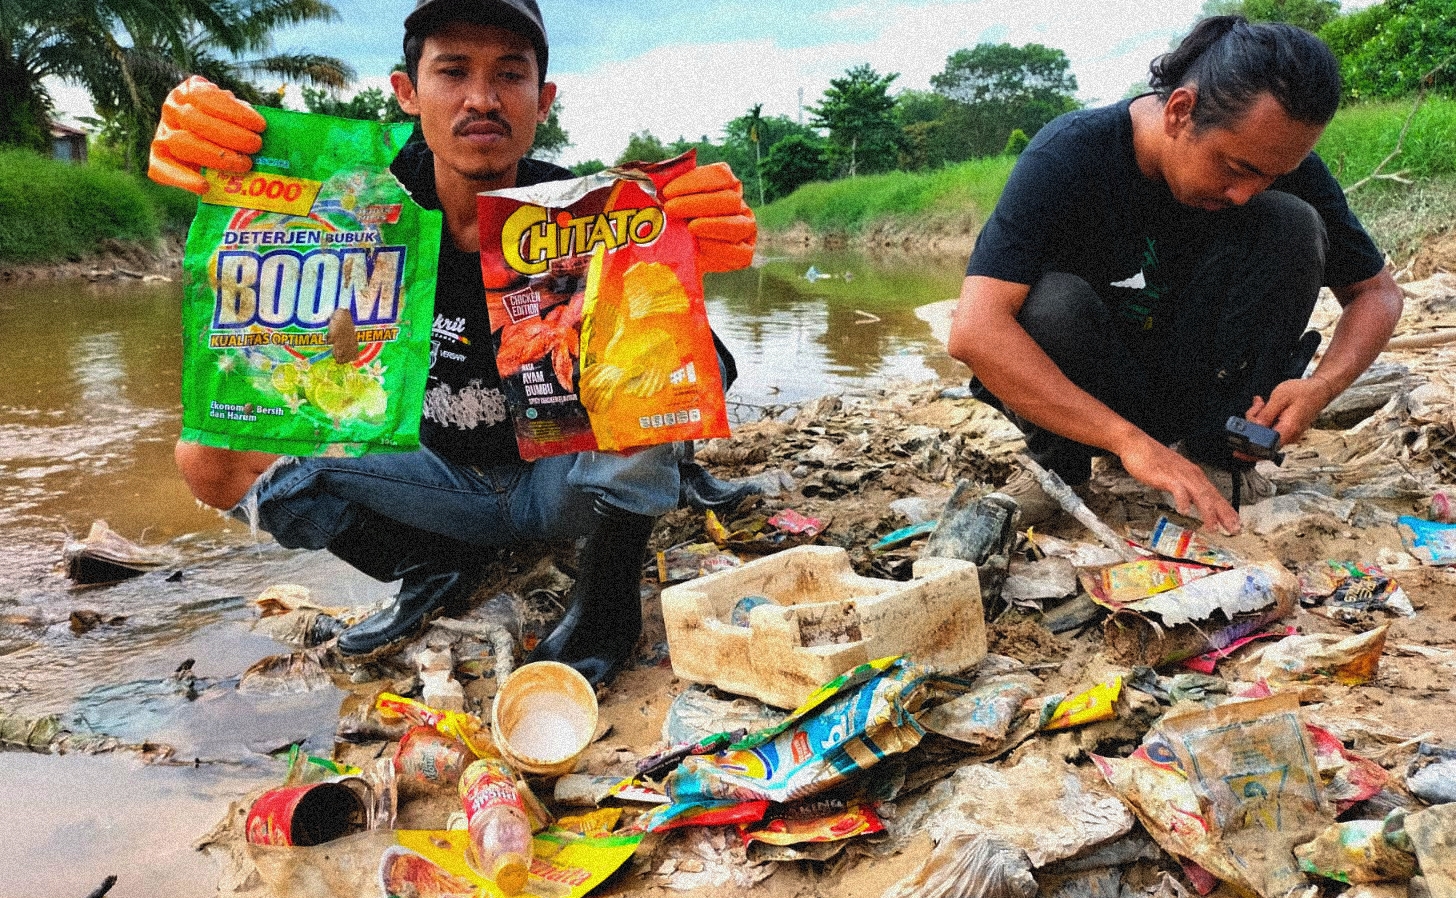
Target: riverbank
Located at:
point(59, 219)
point(113, 260)
point(921, 213)
point(868, 464)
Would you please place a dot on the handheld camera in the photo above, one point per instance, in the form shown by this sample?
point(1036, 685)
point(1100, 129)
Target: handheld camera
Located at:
point(1254, 440)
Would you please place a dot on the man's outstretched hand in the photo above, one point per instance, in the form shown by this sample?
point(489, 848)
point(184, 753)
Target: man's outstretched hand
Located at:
point(202, 124)
point(1156, 465)
point(710, 199)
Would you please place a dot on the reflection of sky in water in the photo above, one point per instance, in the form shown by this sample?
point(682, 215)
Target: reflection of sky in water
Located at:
point(796, 340)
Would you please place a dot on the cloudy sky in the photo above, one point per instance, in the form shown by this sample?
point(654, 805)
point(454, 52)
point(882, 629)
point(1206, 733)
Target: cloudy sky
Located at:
point(684, 68)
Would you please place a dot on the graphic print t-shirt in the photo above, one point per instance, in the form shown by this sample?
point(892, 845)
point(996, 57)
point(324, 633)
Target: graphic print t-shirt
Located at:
point(465, 417)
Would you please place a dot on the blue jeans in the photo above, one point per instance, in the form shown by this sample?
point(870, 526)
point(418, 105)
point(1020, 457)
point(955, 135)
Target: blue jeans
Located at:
point(304, 503)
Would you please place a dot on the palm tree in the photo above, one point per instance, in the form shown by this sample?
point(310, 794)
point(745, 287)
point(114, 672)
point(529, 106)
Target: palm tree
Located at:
point(129, 53)
point(25, 59)
point(81, 41)
point(228, 56)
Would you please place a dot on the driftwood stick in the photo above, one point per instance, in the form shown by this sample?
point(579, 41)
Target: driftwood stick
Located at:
point(1422, 341)
point(1074, 506)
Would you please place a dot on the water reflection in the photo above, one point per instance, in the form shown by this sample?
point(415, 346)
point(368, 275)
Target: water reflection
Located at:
point(796, 338)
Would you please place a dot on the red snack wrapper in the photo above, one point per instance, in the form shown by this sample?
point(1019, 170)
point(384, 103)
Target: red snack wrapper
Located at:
point(596, 310)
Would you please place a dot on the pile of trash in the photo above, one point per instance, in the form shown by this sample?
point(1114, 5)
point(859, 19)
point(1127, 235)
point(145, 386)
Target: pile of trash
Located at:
point(869, 679)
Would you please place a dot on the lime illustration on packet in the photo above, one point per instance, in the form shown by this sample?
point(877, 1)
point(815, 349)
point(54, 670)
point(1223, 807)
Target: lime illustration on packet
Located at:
point(310, 296)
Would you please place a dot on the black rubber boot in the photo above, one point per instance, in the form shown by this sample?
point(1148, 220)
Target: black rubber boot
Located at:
point(600, 629)
point(437, 571)
point(702, 491)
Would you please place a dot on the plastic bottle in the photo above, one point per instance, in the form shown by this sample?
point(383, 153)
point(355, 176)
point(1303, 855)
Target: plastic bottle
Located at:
point(495, 815)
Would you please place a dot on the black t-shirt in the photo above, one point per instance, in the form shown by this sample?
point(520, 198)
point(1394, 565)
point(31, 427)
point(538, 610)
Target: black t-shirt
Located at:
point(1077, 203)
point(465, 416)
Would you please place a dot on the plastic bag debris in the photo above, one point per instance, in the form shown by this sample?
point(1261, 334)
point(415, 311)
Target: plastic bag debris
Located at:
point(1276, 512)
point(1431, 776)
point(1432, 543)
point(1349, 589)
point(1042, 806)
point(905, 535)
point(697, 713)
point(1134, 580)
point(1179, 623)
point(703, 813)
point(1348, 778)
point(708, 860)
point(1028, 583)
point(104, 556)
point(915, 509)
point(1355, 851)
point(692, 560)
point(1322, 657)
point(824, 820)
point(1208, 661)
point(1232, 789)
point(969, 865)
point(1100, 883)
point(1171, 541)
point(982, 717)
point(1432, 833)
point(1098, 703)
point(849, 725)
point(1079, 554)
point(291, 674)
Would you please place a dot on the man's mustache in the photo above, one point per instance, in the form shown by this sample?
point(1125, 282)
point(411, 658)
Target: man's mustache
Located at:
point(493, 118)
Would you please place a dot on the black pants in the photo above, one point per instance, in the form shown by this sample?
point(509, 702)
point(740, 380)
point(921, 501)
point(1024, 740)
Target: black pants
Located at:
point(1228, 331)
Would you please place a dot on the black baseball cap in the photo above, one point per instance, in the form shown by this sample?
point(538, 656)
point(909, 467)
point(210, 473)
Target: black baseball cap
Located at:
point(521, 16)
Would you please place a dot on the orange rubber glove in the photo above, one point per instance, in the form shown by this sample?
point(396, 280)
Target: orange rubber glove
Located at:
point(202, 124)
point(710, 200)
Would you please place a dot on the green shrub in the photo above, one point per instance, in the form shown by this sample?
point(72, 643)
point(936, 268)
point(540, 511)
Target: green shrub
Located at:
point(51, 211)
point(175, 207)
point(1363, 134)
point(1016, 142)
point(852, 205)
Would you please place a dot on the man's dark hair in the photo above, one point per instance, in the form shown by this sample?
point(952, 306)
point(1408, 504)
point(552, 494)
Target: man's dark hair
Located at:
point(1230, 62)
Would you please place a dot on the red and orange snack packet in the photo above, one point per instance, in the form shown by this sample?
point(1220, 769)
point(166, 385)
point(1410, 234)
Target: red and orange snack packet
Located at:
point(596, 311)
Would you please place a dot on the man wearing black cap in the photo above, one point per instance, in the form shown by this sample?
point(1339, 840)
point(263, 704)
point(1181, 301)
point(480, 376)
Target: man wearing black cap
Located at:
point(476, 78)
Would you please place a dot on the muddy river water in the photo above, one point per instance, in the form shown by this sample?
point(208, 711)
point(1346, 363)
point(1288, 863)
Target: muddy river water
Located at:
point(89, 408)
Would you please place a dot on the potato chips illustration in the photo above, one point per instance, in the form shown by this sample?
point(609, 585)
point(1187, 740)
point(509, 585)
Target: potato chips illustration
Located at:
point(596, 309)
point(310, 295)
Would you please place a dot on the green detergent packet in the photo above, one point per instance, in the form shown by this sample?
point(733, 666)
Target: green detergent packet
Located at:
point(309, 300)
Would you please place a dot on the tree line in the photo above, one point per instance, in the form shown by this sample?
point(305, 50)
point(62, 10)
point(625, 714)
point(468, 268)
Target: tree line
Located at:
point(988, 99)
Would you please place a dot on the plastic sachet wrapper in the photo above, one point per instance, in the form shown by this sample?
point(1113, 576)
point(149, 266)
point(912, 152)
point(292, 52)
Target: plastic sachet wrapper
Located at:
point(597, 315)
point(310, 296)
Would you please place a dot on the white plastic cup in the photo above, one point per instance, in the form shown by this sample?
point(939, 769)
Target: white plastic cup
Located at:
point(544, 716)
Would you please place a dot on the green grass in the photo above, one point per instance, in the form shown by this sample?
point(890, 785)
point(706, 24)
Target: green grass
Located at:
point(1362, 135)
point(1354, 143)
point(53, 211)
point(854, 205)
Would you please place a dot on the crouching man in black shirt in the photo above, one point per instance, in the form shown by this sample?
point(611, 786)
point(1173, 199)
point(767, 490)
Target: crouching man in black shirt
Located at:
point(1151, 266)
